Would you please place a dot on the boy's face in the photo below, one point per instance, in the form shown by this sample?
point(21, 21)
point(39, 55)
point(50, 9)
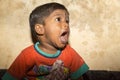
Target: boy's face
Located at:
point(57, 28)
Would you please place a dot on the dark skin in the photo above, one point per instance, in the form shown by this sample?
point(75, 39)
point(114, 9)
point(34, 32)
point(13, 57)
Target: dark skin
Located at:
point(56, 24)
point(54, 34)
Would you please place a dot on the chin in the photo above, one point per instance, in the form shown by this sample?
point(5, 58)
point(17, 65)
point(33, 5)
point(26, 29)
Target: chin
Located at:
point(62, 46)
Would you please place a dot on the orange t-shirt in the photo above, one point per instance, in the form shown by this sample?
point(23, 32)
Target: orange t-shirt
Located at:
point(34, 64)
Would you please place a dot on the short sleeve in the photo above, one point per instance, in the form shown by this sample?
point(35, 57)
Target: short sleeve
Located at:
point(19, 67)
point(78, 66)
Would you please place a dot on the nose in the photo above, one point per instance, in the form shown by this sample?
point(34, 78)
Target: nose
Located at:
point(65, 25)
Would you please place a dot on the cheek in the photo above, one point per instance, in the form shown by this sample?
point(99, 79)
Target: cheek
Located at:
point(52, 34)
point(54, 30)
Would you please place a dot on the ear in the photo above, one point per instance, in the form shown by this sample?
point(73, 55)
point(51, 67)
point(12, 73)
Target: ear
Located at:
point(39, 29)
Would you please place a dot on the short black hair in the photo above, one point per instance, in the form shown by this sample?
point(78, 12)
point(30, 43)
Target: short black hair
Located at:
point(38, 15)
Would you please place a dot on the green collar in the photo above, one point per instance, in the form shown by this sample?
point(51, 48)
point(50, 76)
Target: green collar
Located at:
point(44, 53)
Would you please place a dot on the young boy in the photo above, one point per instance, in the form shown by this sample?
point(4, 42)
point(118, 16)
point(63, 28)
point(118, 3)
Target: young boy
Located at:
point(51, 57)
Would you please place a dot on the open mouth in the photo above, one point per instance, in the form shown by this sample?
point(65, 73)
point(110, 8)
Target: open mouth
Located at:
point(64, 37)
point(64, 33)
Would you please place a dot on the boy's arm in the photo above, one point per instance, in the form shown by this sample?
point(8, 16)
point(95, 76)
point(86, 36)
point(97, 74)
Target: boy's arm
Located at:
point(78, 75)
point(78, 66)
point(18, 69)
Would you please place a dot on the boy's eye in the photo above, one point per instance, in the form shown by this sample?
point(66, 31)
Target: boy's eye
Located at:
point(58, 19)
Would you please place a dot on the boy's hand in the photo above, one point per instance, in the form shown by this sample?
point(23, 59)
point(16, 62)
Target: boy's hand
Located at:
point(58, 72)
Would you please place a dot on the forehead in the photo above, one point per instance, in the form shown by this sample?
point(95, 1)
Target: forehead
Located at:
point(59, 12)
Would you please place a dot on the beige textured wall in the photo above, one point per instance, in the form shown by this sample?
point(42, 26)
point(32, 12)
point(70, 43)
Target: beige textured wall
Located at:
point(94, 24)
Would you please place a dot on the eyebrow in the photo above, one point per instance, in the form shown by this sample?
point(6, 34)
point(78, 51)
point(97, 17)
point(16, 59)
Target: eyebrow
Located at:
point(61, 14)
point(58, 14)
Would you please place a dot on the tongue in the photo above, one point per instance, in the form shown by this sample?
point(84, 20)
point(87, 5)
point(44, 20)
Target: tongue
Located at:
point(64, 39)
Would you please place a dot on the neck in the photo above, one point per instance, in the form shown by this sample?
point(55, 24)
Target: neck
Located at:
point(47, 48)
